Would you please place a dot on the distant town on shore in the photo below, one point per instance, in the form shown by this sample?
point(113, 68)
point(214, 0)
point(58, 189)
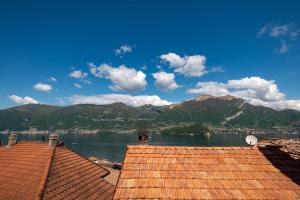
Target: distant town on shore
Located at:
point(201, 115)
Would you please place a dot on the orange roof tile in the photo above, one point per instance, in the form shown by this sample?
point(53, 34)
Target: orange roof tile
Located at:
point(32, 170)
point(113, 177)
point(74, 177)
point(23, 170)
point(168, 172)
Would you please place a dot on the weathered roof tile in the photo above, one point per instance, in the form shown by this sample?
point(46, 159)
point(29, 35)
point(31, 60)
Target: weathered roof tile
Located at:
point(24, 168)
point(32, 170)
point(162, 172)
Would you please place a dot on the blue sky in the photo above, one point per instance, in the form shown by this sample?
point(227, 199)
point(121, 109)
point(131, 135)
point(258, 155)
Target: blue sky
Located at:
point(248, 49)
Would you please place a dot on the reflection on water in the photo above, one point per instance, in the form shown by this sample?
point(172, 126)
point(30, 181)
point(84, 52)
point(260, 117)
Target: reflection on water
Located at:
point(112, 146)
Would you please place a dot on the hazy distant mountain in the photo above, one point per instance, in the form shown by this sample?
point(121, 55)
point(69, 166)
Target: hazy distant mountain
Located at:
point(217, 111)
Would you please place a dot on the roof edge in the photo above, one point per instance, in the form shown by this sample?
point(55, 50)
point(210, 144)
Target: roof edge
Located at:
point(124, 156)
point(45, 175)
point(191, 147)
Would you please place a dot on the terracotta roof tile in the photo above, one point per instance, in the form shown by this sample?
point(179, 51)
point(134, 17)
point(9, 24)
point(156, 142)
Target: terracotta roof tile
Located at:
point(32, 170)
point(165, 172)
point(74, 177)
point(113, 177)
point(24, 168)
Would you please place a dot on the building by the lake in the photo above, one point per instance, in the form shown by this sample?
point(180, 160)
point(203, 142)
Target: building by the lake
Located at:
point(172, 172)
point(39, 170)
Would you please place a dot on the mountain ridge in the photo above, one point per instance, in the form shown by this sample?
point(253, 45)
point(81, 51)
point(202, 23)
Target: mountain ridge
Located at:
point(225, 111)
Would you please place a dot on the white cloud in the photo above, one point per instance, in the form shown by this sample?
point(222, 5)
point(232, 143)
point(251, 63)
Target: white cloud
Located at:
point(42, 87)
point(122, 77)
point(278, 105)
point(52, 79)
point(114, 98)
point(165, 81)
point(283, 48)
point(77, 85)
point(258, 88)
point(290, 31)
point(211, 88)
point(191, 66)
point(123, 50)
point(216, 69)
point(78, 74)
point(23, 100)
point(283, 32)
point(254, 90)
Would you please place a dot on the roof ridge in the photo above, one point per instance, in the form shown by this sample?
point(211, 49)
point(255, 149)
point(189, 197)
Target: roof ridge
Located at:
point(77, 180)
point(137, 146)
point(124, 156)
point(45, 175)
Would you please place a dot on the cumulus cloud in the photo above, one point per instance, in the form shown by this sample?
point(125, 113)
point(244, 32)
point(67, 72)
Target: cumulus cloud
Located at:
point(23, 100)
point(190, 66)
point(257, 88)
point(254, 90)
point(122, 77)
point(123, 50)
point(104, 99)
point(165, 81)
point(43, 87)
point(78, 74)
point(53, 79)
point(211, 88)
point(278, 105)
point(77, 85)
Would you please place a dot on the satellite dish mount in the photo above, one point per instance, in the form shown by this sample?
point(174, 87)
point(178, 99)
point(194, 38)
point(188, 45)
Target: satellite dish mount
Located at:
point(251, 140)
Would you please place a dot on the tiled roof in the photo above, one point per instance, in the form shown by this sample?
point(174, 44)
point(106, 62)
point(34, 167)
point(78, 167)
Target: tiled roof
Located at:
point(290, 146)
point(113, 176)
point(23, 170)
point(74, 177)
point(165, 172)
point(32, 170)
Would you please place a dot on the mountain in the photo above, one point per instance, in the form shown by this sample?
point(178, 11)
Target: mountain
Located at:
point(230, 111)
point(225, 111)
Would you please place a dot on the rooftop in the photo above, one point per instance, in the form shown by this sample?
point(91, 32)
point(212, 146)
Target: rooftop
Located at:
point(169, 172)
point(290, 146)
point(32, 170)
point(24, 169)
point(113, 176)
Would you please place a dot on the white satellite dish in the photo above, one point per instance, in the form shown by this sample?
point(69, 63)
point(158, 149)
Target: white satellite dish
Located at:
point(251, 140)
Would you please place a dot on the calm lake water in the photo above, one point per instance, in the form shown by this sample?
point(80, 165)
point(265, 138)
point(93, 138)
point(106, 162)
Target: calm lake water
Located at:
point(112, 146)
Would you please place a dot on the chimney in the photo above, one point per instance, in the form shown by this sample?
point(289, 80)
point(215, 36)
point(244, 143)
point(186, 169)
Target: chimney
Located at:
point(143, 139)
point(53, 138)
point(12, 139)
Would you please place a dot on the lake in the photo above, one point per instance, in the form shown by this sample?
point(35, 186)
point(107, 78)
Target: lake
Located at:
point(112, 146)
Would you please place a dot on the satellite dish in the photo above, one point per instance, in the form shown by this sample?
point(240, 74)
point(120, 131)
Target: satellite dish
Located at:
point(251, 140)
